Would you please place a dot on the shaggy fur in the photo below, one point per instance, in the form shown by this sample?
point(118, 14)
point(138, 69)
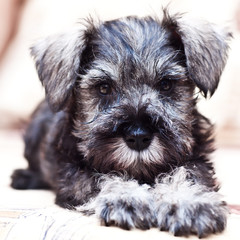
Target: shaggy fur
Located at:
point(119, 134)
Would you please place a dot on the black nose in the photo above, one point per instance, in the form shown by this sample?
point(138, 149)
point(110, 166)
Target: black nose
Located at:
point(138, 138)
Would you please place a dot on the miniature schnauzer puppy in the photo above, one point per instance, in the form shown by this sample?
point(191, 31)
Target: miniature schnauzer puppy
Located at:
point(119, 134)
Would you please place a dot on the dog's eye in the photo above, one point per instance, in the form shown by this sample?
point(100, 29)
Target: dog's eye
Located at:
point(165, 85)
point(104, 89)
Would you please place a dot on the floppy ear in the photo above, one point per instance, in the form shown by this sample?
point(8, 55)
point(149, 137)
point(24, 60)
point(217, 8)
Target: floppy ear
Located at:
point(205, 48)
point(57, 61)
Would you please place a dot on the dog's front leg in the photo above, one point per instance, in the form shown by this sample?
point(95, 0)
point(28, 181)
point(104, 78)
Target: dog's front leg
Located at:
point(123, 203)
point(75, 186)
point(184, 206)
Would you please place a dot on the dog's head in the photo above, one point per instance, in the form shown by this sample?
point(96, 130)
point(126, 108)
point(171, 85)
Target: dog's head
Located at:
point(132, 83)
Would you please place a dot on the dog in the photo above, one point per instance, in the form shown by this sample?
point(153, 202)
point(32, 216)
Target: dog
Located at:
point(119, 134)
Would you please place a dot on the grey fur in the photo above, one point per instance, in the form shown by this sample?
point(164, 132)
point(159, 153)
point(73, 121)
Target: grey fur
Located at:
point(57, 61)
point(119, 134)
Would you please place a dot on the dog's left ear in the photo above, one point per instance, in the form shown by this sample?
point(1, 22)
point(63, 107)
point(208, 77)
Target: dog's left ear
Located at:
point(57, 61)
point(205, 48)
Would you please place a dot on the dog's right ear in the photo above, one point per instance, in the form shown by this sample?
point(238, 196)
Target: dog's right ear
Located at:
point(205, 47)
point(57, 60)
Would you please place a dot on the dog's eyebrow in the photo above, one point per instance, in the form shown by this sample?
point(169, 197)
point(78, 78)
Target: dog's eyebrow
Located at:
point(174, 75)
point(175, 70)
point(96, 75)
point(105, 73)
point(100, 74)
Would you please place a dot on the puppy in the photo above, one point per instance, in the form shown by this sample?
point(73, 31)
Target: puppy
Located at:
point(119, 134)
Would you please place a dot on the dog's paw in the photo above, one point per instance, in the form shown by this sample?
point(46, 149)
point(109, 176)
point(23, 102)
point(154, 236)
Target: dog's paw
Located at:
point(123, 203)
point(127, 215)
point(188, 218)
point(185, 207)
point(27, 179)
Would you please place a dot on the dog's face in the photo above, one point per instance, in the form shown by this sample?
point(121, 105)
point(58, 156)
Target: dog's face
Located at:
point(132, 83)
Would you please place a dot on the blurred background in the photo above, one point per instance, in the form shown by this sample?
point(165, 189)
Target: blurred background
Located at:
point(24, 21)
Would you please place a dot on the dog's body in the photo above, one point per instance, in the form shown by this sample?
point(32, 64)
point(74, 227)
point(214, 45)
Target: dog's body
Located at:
point(119, 134)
